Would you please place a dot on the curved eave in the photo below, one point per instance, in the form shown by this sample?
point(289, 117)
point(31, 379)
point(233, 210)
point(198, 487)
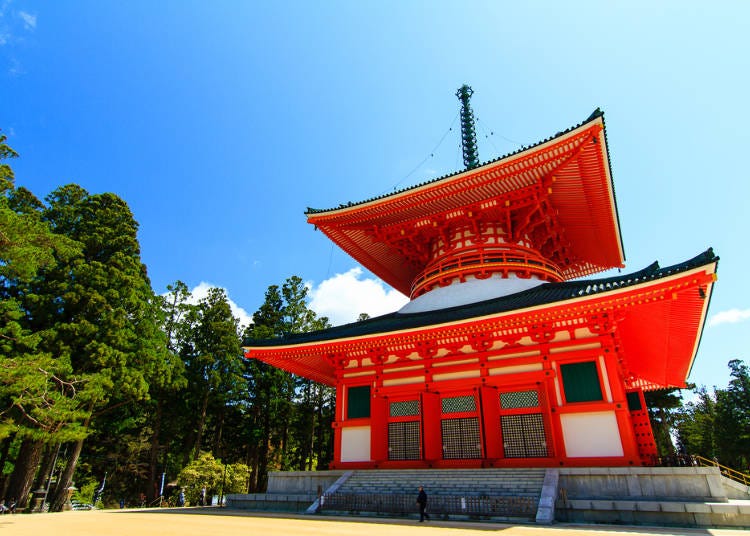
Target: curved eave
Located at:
point(343, 208)
point(582, 194)
point(660, 314)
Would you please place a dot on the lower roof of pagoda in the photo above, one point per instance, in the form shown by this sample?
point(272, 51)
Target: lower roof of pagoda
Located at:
point(660, 313)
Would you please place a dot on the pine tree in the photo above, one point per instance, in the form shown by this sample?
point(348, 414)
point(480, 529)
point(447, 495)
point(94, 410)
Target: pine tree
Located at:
point(98, 310)
point(291, 415)
point(213, 358)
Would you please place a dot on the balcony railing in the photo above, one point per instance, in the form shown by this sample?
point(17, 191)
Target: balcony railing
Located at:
point(482, 263)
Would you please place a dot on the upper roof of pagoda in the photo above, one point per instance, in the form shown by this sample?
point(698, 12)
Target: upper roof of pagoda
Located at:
point(564, 182)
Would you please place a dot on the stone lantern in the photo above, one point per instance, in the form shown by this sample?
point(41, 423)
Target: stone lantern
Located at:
point(37, 504)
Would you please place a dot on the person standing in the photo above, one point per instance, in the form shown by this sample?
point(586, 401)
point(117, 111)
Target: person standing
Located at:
point(422, 502)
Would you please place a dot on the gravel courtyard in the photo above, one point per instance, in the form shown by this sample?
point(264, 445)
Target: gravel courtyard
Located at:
point(218, 522)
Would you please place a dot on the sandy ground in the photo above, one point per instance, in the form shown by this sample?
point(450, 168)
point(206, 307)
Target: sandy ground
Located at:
point(219, 522)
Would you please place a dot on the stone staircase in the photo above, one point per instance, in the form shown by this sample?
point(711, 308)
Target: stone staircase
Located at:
point(447, 482)
point(497, 494)
point(680, 496)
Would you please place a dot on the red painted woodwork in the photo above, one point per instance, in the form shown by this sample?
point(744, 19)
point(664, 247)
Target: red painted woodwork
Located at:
point(490, 415)
point(482, 261)
point(431, 442)
point(378, 424)
point(644, 434)
point(547, 212)
point(558, 195)
point(657, 324)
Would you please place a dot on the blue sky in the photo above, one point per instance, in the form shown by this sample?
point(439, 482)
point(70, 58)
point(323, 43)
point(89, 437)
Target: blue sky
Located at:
point(220, 122)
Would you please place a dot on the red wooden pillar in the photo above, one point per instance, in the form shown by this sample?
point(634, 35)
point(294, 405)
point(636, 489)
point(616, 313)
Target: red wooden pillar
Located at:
point(622, 413)
point(378, 428)
point(432, 442)
point(490, 414)
point(336, 424)
point(550, 408)
point(644, 434)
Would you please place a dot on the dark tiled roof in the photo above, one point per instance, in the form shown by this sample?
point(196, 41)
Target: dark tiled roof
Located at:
point(546, 293)
point(595, 114)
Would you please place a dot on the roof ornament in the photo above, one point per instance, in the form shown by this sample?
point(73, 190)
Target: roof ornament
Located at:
point(468, 132)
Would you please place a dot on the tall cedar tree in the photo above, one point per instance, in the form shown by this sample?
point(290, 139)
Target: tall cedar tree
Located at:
point(36, 399)
point(696, 426)
point(96, 311)
point(213, 360)
point(733, 418)
point(717, 426)
point(662, 410)
point(174, 309)
point(288, 413)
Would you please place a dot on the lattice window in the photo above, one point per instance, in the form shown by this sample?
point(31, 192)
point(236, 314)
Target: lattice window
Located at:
point(458, 404)
point(524, 436)
point(405, 409)
point(461, 439)
point(403, 441)
point(519, 399)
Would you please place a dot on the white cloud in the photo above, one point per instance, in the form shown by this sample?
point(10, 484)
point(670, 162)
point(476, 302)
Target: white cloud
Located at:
point(29, 20)
point(15, 68)
point(343, 297)
point(200, 291)
point(731, 316)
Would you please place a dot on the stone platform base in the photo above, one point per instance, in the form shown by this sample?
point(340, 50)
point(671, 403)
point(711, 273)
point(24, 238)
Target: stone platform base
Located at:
point(669, 496)
point(666, 496)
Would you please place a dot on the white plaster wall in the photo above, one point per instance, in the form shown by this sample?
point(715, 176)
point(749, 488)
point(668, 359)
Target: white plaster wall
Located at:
point(591, 434)
point(471, 291)
point(355, 444)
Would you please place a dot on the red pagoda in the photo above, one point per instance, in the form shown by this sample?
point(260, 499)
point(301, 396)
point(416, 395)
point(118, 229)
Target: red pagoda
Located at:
point(504, 356)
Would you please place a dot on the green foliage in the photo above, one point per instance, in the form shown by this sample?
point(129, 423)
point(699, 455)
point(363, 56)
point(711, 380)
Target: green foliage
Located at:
point(155, 384)
point(212, 355)
point(717, 426)
point(35, 388)
point(696, 426)
point(85, 492)
point(662, 410)
point(203, 472)
point(237, 478)
point(291, 415)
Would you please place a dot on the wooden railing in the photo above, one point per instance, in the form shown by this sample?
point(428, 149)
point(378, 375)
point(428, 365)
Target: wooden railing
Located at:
point(728, 472)
point(482, 262)
point(438, 506)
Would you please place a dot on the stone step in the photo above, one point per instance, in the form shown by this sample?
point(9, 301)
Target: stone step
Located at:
point(448, 482)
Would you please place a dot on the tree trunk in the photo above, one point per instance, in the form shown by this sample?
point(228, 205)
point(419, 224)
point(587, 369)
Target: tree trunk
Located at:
point(261, 476)
point(201, 425)
point(60, 496)
point(4, 479)
point(45, 468)
point(22, 478)
point(153, 477)
point(218, 451)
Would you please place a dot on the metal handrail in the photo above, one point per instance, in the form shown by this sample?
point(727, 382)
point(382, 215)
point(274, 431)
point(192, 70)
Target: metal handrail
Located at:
point(728, 472)
point(440, 505)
